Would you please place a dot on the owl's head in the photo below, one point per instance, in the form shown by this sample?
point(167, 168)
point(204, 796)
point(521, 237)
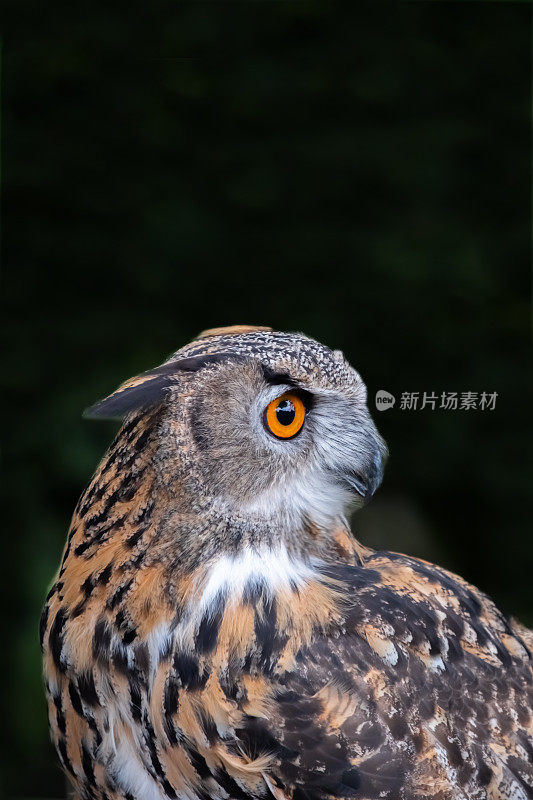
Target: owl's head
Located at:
point(261, 424)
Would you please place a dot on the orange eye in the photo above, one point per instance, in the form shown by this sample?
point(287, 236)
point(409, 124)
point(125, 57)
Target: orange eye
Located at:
point(285, 416)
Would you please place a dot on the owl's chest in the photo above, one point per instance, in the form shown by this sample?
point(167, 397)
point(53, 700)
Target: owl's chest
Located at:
point(136, 671)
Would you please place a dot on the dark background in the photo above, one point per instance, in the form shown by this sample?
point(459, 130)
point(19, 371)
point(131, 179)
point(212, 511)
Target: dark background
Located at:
point(362, 176)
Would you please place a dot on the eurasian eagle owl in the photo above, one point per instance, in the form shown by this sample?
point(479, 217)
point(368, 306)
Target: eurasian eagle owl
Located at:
point(215, 631)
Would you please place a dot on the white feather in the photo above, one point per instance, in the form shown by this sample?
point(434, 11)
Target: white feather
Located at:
point(272, 566)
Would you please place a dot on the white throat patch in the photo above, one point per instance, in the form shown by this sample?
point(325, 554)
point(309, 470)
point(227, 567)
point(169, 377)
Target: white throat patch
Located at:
point(310, 496)
point(273, 567)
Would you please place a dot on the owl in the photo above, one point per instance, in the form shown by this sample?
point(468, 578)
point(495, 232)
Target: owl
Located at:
point(216, 632)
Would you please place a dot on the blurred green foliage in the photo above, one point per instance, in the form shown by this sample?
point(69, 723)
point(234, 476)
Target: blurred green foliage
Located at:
point(361, 175)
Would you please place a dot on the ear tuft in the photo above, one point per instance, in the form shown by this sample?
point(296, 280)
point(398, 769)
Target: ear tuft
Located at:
point(151, 388)
point(143, 391)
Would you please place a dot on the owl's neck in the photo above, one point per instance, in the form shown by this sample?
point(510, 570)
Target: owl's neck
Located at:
point(222, 550)
point(273, 567)
point(145, 543)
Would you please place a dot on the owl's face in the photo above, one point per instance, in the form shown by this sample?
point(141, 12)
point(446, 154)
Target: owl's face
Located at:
point(272, 426)
point(283, 433)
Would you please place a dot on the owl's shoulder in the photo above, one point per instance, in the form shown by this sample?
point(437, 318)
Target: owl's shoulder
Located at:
point(422, 609)
point(421, 681)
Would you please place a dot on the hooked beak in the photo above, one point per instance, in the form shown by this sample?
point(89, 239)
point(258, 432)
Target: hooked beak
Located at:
point(364, 483)
point(365, 479)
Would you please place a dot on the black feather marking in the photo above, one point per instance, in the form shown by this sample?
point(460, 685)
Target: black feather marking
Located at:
point(207, 636)
point(256, 739)
point(170, 706)
point(142, 658)
point(199, 763)
point(104, 576)
point(135, 700)
point(170, 731)
point(62, 749)
point(171, 696)
point(87, 689)
point(276, 378)
point(75, 700)
point(113, 524)
point(43, 623)
point(120, 659)
point(101, 641)
point(169, 791)
point(118, 595)
point(266, 635)
point(188, 671)
point(230, 785)
point(87, 586)
point(154, 757)
point(129, 636)
point(87, 764)
point(60, 715)
point(133, 540)
point(208, 726)
point(56, 638)
point(484, 773)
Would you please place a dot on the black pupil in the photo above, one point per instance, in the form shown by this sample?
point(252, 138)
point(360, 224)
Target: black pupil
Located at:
point(285, 412)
